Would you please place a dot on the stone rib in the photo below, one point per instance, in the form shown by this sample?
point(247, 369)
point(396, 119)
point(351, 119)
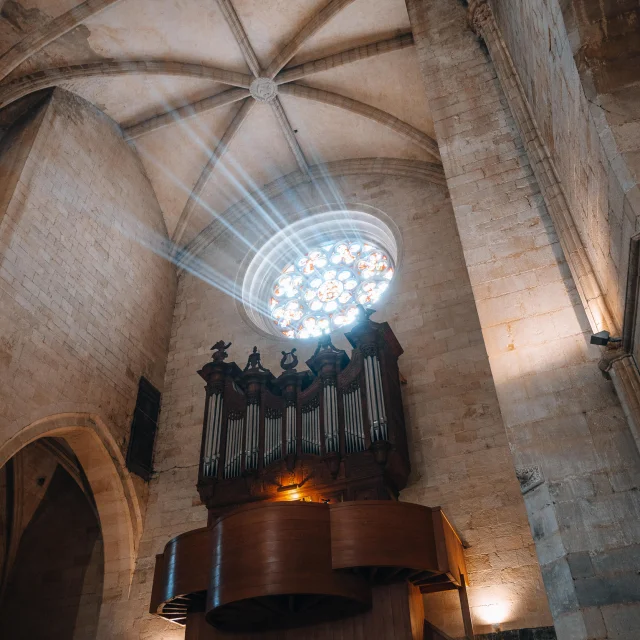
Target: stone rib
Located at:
point(584, 276)
point(230, 15)
point(345, 57)
point(40, 38)
point(377, 115)
point(289, 135)
point(196, 193)
point(314, 25)
point(414, 169)
point(12, 91)
point(184, 113)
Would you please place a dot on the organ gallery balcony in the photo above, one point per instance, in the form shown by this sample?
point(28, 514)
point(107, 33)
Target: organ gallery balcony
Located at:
point(301, 475)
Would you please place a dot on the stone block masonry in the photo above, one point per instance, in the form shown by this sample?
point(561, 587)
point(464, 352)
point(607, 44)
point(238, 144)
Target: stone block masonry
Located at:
point(460, 456)
point(85, 306)
point(561, 416)
point(602, 192)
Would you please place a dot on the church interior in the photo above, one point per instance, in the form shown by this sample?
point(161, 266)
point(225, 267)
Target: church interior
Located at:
point(318, 319)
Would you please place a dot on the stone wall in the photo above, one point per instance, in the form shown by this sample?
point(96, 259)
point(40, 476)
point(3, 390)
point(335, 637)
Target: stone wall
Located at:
point(459, 449)
point(605, 40)
point(566, 429)
point(85, 307)
point(603, 193)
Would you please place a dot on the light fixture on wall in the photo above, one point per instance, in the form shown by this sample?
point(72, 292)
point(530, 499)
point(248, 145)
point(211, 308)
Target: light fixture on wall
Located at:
point(289, 487)
point(291, 491)
point(603, 338)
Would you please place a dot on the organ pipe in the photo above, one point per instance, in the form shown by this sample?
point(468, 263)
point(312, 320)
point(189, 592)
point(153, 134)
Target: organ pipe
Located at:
point(213, 435)
point(234, 447)
point(354, 426)
point(375, 398)
point(273, 440)
point(251, 436)
point(311, 429)
point(256, 425)
point(331, 429)
point(291, 429)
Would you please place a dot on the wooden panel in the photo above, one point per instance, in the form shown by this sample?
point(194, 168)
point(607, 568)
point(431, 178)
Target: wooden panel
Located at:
point(284, 564)
point(380, 533)
point(433, 633)
point(391, 617)
point(198, 628)
point(184, 568)
point(159, 581)
point(416, 611)
point(271, 561)
point(450, 547)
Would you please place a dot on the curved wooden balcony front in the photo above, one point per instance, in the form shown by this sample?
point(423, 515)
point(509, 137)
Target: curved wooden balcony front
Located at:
point(181, 577)
point(391, 541)
point(285, 564)
point(272, 567)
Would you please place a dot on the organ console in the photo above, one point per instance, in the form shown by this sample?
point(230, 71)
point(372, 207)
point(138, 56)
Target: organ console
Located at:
point(301, 475)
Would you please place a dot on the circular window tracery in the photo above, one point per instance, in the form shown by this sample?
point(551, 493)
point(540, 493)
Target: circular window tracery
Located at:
point(321, 291)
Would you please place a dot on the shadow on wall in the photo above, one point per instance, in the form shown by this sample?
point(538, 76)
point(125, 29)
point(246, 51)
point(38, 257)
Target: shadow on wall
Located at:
point(53, 550)
point(107, 539)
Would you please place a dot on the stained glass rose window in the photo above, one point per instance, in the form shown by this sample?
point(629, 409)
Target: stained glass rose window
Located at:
point(320, 291)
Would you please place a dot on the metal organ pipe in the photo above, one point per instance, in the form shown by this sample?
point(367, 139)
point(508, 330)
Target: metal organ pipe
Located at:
point(251, 436)
point(348, 420)
point(331, 434)
point(234, 447)
point(311, 430)
point(291, 428)
point(272, 437)
point(305, 428)
point(306, 435)
point(247, 431)
point(358, 405)
point(267, 441)
point(354, 427)
point(380, 396)
point(208, 437)
point(211, 454)
point(375, 399)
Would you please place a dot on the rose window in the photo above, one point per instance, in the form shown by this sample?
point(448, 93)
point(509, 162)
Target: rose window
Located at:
point(321, 291)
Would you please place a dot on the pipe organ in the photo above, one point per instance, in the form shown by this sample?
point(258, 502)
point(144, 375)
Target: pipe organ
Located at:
point(336, 430)
point(301, 474)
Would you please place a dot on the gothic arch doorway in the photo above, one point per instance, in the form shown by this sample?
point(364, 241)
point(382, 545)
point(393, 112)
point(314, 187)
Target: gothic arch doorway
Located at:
point(109, 488)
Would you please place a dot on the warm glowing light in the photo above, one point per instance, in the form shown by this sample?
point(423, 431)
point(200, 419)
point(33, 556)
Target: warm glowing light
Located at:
point(294, 495)
point(495, 613)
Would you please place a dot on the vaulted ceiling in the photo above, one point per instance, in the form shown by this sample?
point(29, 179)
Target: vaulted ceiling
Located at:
point(221, 97)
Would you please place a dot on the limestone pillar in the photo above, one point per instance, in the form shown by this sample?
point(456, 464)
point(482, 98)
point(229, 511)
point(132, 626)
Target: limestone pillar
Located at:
point(571, 445)
point(624, 373)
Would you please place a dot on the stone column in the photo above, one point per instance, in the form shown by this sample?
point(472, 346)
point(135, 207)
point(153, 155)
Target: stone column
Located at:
point(483, 22)
point(624, 374)
point(571, 445)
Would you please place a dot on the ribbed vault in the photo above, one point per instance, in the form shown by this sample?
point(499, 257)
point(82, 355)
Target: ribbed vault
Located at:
point(328, 66)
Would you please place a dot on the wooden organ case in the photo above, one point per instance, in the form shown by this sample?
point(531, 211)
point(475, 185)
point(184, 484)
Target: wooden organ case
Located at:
point(301, 475)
